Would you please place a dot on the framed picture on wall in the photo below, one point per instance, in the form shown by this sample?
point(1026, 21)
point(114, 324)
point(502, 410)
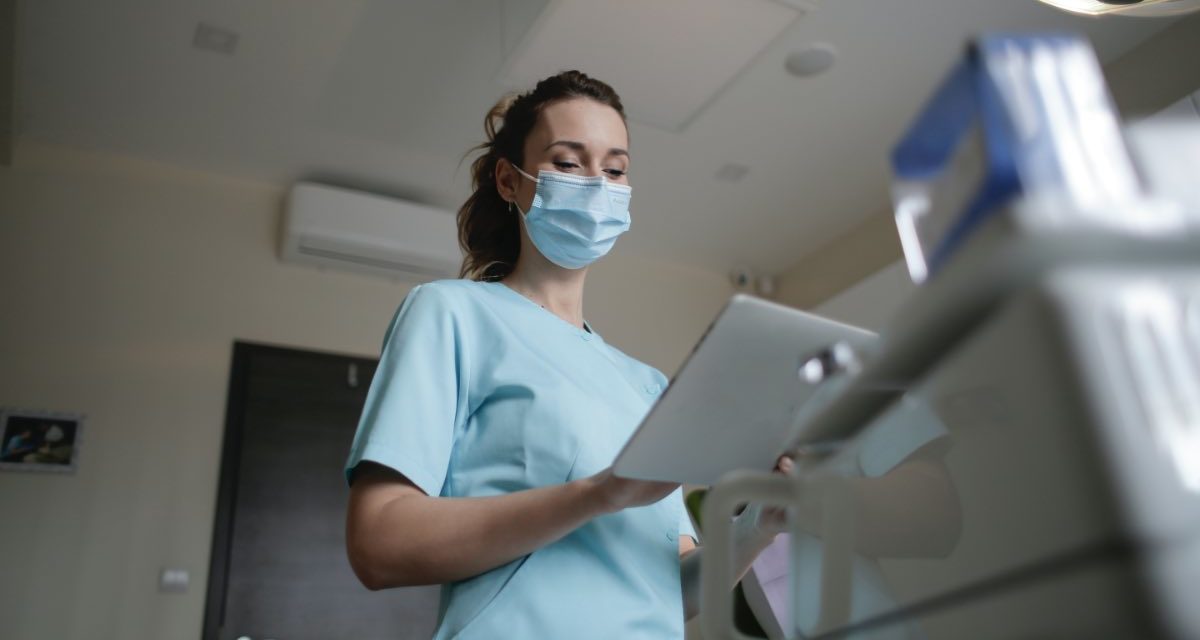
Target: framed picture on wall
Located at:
point(39, 440)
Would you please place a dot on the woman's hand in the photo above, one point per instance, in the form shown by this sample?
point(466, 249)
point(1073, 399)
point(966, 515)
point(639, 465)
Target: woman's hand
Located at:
point(616, 493)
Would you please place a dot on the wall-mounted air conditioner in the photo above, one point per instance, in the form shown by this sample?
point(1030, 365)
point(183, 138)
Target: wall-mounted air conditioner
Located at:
point(339, 228)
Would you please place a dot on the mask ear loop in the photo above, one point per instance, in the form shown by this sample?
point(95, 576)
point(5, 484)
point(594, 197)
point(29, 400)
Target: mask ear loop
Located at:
point(513, 203)
point(525, 175)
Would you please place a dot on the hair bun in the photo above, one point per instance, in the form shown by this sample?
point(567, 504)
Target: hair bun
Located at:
point(495, 116)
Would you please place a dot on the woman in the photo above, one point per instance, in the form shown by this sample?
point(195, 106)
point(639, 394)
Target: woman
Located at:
point(481, 460)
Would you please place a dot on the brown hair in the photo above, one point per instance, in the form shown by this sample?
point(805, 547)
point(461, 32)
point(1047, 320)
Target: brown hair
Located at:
point(488, 230)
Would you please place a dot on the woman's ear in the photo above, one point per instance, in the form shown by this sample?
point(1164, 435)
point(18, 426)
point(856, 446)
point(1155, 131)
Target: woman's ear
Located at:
point(506, 180)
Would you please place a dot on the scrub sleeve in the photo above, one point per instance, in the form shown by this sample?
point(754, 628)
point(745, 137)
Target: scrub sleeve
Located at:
point(418, 397)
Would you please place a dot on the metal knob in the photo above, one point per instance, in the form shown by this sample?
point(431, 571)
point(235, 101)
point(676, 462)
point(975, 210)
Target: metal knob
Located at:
point(835, 359)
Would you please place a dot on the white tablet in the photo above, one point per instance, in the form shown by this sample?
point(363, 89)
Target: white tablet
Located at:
point(732, 405)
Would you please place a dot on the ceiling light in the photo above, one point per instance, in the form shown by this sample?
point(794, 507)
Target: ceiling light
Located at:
point(812, 60)
point(1142, 8)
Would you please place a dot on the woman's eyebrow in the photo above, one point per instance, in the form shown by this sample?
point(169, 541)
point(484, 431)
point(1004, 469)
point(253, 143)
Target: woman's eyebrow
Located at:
point(579, 146)
point(570, 144)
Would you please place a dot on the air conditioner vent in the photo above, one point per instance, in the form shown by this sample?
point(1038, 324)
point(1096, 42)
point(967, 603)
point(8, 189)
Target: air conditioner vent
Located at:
point(350, 230)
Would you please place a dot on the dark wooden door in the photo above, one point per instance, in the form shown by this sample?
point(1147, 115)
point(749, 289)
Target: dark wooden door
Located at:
point(279, 567)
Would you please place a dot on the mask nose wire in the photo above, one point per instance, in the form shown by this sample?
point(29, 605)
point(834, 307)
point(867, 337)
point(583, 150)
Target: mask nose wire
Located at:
point(534, 180)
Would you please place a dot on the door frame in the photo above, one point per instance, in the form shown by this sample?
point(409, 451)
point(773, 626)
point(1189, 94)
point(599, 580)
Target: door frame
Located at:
point(227, 481)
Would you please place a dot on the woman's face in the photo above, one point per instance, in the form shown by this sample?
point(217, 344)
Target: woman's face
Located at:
point(576, 136)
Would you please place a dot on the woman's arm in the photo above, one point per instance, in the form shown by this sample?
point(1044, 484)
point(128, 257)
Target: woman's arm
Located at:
point(398, 536)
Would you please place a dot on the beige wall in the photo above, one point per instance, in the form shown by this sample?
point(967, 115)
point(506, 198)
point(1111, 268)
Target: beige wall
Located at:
point(124, 286)
point(872, 302)
point(1157, 72)
point(840, 263)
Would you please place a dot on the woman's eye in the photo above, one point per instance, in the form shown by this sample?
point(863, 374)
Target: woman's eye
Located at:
point(566, 165)
point(616, 173)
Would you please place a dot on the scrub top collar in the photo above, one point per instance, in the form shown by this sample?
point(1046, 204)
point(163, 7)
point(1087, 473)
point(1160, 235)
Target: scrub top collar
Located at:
point(587, 329)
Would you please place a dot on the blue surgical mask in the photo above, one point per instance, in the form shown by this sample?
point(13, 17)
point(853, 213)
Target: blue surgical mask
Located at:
point(575, 220)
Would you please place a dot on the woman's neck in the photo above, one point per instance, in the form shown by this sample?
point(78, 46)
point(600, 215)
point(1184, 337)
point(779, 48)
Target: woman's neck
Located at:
point(558, 290)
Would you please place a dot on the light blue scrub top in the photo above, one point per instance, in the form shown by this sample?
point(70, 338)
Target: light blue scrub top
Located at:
point(481, 392)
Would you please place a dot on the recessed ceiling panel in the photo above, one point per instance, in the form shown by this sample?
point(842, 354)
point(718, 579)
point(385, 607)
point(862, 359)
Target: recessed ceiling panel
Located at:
point(668, 58)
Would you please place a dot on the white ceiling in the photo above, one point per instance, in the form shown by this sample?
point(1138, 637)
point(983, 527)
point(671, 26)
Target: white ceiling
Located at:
point(711, 42)
point(388, 95)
